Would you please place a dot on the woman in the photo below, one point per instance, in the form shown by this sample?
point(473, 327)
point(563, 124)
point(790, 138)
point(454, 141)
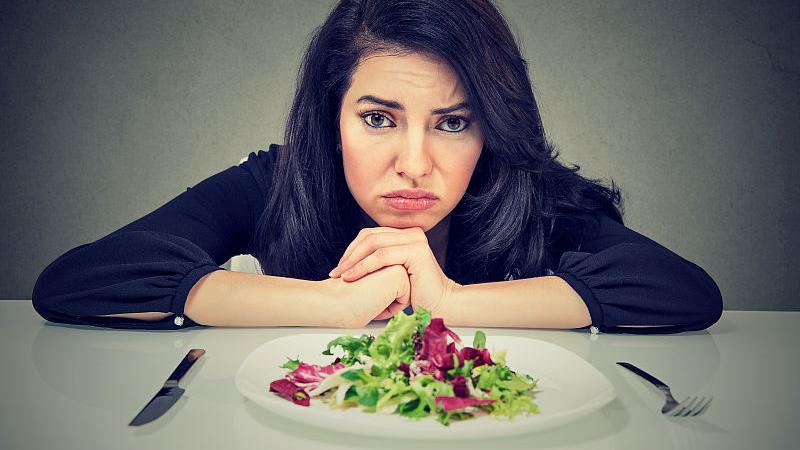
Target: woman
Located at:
point(416, 167)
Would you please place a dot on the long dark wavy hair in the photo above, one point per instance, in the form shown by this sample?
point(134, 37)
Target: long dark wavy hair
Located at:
point(520, 203)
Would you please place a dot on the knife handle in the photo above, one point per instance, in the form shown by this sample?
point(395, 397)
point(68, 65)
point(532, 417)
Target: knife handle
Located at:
point(656, 382)
point(188, 360)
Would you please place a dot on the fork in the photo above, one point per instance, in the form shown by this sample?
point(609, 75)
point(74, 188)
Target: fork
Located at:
point(692, 406)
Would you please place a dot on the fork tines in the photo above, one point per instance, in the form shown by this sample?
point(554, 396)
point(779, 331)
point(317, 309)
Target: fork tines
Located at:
point(692, 406)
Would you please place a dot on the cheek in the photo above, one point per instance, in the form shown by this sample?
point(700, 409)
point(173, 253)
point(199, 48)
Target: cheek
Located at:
point(362, 163)
point(359, 167)
point(356, 169)
point(460, 171)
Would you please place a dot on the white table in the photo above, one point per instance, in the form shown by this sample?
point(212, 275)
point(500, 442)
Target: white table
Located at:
point(78, 387)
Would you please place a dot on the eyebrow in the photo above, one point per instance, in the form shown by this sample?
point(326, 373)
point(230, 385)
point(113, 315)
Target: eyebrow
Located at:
point(396, 105)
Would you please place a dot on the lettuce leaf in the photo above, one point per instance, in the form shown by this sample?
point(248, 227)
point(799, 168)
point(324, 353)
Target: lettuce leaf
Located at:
point(353, 347)
point(395, 344)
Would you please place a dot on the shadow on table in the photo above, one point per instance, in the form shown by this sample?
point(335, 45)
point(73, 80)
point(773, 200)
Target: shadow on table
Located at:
point(253, 424)
point(688, 362)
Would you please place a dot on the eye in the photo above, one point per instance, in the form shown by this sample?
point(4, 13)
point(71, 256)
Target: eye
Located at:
point(454, 124)
point(377, 120)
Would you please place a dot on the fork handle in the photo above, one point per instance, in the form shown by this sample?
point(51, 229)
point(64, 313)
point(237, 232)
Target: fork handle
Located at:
point(656, 382)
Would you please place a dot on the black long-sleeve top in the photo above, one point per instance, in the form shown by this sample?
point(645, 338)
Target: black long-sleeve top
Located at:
point(151, 264)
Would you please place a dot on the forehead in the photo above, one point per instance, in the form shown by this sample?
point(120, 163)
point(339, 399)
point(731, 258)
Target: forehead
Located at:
point(389, 74)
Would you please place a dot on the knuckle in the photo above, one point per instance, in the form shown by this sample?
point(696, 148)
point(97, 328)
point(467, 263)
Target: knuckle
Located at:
point(371, 240)
point(357, 269)
point(397, 270)
point(381, 253)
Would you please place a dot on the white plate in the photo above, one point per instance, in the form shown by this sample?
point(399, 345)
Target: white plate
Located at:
point(569, 388)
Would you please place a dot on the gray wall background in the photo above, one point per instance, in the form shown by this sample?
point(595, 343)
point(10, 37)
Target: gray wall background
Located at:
point(108, 109)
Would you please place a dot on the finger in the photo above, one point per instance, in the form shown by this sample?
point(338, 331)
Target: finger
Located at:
point(385, 314)
point(397, 307)
point(380, 258)
point(394, 308)
point(366, 232)
point(370, 243)
point(373, 240)
point(363, 234)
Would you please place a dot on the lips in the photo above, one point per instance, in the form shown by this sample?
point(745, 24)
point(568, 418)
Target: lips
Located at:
point(410, 204)
point(411, 193)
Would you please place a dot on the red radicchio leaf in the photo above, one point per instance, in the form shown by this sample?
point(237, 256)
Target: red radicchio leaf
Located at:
point(434, 339)
point(460, 386)
point(443, 360)
point(403, 367)
point(290, 391)
point(309, 376)
point(452, 403)
point(479, 356)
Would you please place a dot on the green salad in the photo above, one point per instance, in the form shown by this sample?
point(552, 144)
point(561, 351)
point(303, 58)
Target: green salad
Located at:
point(412, 370)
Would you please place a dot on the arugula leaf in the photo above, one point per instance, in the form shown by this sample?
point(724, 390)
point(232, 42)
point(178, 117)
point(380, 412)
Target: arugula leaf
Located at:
point(367, 395)
point(416, 409)
point(291, 364)
point(355, 375)
point(351, 393)
point(352, 346)
point(518, 383)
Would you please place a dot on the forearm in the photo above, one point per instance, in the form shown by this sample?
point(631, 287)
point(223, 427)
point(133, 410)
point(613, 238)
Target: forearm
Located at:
point(238, 299)
point(541, 302)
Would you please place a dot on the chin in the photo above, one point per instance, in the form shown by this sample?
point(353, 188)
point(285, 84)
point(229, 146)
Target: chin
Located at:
point(408, 222)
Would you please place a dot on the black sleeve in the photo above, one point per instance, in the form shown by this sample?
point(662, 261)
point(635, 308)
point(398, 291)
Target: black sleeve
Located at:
point(626, 278)
point(151, 264)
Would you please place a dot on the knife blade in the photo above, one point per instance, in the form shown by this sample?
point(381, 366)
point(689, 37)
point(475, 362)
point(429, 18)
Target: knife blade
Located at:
point(169, 393)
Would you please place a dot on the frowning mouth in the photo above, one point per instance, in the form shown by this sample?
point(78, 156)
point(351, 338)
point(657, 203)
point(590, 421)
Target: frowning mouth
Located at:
point(410, 204)
point(411, 193)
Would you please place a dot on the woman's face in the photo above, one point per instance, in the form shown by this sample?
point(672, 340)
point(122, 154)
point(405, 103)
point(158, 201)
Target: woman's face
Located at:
point(404, 125)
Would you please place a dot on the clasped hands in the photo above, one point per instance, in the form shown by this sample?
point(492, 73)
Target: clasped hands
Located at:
point(378, 253)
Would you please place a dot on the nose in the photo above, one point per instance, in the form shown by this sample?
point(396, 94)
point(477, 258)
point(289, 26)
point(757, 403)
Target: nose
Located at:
point(413, 159)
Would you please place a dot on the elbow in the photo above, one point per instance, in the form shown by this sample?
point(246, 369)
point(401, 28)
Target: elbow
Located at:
point(51, 291)
point(696, 299)
point(682, 297)
point(703, 302)
point(46, 299)
point(41, 299)
point(709, 302)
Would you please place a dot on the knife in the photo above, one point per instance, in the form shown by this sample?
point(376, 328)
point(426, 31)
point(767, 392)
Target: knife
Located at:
point(169, 393)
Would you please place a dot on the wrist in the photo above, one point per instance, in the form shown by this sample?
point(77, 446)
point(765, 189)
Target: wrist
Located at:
point(326, 302)
point(447, 306)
